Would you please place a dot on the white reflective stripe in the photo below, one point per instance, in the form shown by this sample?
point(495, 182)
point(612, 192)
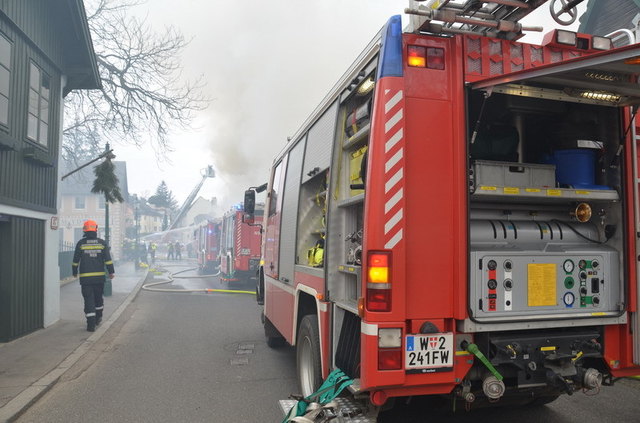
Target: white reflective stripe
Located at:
point(393, 101)
point(394, 240)
point(393, 160)
point(91, 314)
point(392, 122)
point(323, 306)
point(393, 222)
point(99, 308)
point(393, 140)
point(393, 200)
point(391, 182)
point(369, 329)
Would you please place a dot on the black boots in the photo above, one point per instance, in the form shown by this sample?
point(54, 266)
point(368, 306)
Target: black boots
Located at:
point(91, 324)
point(98, 317)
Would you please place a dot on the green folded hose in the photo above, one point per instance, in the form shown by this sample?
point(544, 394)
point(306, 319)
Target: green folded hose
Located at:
point(473, 349)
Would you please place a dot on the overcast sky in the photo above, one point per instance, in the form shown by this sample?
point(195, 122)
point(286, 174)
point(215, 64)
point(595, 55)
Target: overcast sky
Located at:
point(266, 66)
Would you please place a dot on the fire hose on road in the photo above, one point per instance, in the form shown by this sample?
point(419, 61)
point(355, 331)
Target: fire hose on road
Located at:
point(173, 276)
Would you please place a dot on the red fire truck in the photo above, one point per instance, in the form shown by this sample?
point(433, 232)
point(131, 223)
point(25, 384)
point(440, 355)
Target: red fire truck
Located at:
point(459, 216)
point(240, 245)
point(207, 246)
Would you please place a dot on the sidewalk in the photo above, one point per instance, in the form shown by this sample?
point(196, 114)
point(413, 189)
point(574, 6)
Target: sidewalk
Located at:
point(31, 365)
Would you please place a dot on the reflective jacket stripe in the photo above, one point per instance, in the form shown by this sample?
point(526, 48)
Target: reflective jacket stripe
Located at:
point(92, 247)
point(108, 262)
point(82, 275)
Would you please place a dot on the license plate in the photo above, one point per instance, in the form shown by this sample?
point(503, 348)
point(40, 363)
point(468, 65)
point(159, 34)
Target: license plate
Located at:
point(429, 353)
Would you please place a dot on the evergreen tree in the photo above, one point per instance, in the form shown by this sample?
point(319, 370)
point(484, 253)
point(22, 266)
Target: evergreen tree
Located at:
point(163, 197)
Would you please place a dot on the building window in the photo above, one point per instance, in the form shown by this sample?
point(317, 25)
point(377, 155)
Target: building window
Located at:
point(101, 202)
point(5, 78)
point(79, 203)
point(38, 116)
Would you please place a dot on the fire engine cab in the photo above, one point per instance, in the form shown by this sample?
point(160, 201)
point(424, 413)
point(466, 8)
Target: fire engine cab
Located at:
point(475, 202)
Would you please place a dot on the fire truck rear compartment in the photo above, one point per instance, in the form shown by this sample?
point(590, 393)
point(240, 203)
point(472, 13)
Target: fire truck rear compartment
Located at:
point(546, 243)
point(546, 238)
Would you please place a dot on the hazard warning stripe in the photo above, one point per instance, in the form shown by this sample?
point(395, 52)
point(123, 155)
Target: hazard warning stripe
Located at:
point(393, 160)
point(393, 140)
point(393, 221)
point(393, 201)
point(393, 167)
point(393, 101)
point(391, 182)
point(392, 122)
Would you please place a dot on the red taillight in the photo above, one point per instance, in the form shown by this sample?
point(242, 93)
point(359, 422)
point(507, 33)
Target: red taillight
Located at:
point(378, 281)
point(390, 359)
point(425, 57)
point(378, 299)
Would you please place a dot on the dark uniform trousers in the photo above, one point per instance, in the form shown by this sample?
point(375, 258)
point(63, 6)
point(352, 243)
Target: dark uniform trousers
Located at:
point(93, 300)
point(90, 260)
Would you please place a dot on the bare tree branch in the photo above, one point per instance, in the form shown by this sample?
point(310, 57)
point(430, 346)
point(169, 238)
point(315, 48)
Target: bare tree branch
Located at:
point(143, 96)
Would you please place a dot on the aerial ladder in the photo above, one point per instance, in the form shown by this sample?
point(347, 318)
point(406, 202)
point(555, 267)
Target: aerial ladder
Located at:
point(498, 18)
point(206, 173)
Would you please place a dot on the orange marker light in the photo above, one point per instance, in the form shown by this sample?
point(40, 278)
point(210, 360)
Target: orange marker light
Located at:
point(417, 56)
point(379, 274)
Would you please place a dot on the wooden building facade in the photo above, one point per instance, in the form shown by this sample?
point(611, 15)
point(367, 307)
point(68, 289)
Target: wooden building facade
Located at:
point(45, 52)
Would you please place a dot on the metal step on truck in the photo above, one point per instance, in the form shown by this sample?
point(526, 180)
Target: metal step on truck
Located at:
point(459, 216)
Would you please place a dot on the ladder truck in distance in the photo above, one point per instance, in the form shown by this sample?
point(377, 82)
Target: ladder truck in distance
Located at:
point(475, 201)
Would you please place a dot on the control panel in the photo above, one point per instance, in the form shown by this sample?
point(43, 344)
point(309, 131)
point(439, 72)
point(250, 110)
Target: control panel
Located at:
point(521, 283)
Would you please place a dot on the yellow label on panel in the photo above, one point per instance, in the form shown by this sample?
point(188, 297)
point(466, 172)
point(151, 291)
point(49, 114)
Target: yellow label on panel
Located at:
point(582, 192)
point(547, 348)
point(510, 190)
point(533, 189)
point(541, 284)
point(600, 313)
point(483, 188)
point(554, 192)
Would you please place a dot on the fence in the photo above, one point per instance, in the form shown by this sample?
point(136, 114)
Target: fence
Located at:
point(65, 257)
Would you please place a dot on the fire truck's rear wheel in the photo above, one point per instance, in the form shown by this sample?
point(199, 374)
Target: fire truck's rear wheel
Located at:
point(308, 355)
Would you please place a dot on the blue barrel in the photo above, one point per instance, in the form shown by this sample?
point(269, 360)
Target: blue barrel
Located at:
point(576, 168)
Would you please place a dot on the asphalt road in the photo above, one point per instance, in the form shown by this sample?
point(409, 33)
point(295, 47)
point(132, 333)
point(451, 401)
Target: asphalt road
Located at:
point(178, 357)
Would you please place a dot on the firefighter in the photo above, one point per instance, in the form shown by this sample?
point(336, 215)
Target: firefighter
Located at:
point(152, 251)
point(89, 261)
point(178, 248)
point(170, 250)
